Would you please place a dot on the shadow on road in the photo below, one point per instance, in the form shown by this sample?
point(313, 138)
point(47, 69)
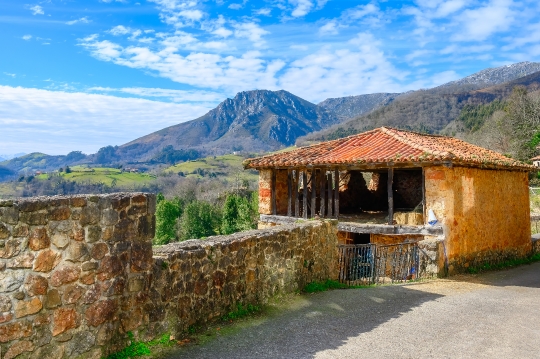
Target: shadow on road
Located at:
point(314, 323)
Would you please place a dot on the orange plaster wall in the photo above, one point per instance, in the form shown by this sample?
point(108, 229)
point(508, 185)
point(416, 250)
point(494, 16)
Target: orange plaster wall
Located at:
point(485, 213)
point(386, 239)
point(265, 192)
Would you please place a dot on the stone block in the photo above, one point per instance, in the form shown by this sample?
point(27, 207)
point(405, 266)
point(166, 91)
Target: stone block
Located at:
point(81, 343)
point(92, 294)
point(33, 218)
point(65, 275)
point(72, 294)
point(20, 230)
point(10, 248)
point(60, 240)
point(77, 252)
point(4, 232)
point(52, 299)
point(46, 261)
point(19, 348)
point(5, 303)
point(93, 234)
point(101, 312)
point(11, 280)
point(59, 214)
point(89, 215)
point(24, 308)
point(110, 267)
point(51, 351)
point(25, 260)
point(9, 215)
point(64, 319)
point(141, 256)
point(77, 202)
point(15, 330)
point(35, 285)
point(86, 266)
point(99, 250)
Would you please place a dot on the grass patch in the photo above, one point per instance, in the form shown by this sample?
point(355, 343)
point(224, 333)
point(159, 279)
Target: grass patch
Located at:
point(241, 312)
point(329, 284)
point(506, 264)
point(137, 349)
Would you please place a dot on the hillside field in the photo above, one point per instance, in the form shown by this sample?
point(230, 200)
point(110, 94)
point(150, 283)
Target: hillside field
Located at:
point(104, 175)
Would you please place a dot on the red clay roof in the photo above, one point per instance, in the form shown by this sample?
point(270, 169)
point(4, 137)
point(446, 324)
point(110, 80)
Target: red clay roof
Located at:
point(535, 158)
point(386, 145)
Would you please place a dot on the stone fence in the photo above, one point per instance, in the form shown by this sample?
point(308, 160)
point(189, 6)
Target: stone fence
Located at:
point(78, 273)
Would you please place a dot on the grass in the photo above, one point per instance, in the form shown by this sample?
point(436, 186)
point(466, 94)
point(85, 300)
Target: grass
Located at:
point(506, 264)
point(315, 287)
point(227, 166)
point(241, 312)
point(106, 175)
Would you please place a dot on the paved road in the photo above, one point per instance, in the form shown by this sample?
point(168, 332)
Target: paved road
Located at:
point(494, 315)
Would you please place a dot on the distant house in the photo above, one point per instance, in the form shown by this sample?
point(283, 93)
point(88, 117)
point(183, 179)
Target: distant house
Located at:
point(536, 161)
point(386, 185)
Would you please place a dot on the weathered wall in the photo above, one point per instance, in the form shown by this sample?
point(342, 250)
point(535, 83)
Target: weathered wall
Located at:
point(200, 280)
point(265, 192)
point(70, 271)
point(77, 273)
point(484, 213)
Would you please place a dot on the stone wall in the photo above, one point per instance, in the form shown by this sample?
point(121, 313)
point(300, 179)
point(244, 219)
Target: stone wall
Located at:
point(78, 273)
point(71, 269)
point(201, 280)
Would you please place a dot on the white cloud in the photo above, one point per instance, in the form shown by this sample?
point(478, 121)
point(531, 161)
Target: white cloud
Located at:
point(480, 23)
point(179, 12)
point(223, 32)
point(362, 11)
point(194, 96)
point(329, 28)
point(264, 12)
point(27, 37)
point(251, 31)
point(119, 30)
point(59, 122)
point(302, 7)
point(82, 20)
point(361, 68)
point(37, 10)
point(10, 74)
point(236, 6)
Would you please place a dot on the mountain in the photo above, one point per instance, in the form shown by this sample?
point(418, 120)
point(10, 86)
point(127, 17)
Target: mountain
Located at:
point(435, 109)
point(253, 121)
point(2, 159)
point(496, 75)
point(39, 161)
point(353, 106)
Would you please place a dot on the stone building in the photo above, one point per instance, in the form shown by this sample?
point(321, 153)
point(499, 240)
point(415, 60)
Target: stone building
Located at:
point(386, 186)
point(536, 161)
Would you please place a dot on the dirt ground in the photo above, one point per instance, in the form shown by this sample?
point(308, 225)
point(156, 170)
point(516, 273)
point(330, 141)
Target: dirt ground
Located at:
point(489, 315)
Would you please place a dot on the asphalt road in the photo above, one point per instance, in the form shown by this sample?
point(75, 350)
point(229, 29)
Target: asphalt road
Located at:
point(493, 315)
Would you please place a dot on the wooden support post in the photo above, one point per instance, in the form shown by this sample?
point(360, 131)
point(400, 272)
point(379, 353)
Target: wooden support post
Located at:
point(424, 195)
point(274, 206)
point(390, 188)
point(304, 199)
point(313, 193)
point(330, 195)
point(336, 193)
point(289, 193)
point(295, 191)
point(323, 191)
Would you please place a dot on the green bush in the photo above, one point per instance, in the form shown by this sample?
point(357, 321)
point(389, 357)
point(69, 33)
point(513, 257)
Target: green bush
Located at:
point(199, 220)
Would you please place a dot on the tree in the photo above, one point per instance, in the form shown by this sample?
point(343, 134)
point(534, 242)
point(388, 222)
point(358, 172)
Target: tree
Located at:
point(199, 220)
point(68, 170)
point(237, 214)
point(106, 155)
point(167, 214)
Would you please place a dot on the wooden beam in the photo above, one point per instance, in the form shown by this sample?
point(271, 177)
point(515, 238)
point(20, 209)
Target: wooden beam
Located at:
point(304, 199)
point(289, 193)
point(390, 188)
point(323, 191)
point(330, 195)
point(295, 191)
point(424, 194)
point(336, 193)
point(313, 193)
point(274, 206)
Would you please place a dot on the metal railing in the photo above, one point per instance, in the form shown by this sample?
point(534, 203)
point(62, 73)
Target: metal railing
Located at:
point(362, 264)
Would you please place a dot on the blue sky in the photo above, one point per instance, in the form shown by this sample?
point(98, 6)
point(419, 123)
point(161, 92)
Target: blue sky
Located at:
point(79, 75)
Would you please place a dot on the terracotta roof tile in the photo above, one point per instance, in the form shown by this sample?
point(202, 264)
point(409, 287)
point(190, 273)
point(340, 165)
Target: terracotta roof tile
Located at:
point(388, 145)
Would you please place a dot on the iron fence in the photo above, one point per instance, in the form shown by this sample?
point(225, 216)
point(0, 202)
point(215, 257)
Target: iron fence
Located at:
point(362, 264)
